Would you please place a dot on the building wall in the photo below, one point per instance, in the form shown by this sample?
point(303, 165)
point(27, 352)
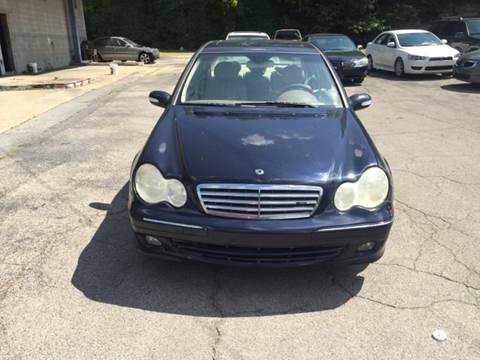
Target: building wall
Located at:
point(39, 32)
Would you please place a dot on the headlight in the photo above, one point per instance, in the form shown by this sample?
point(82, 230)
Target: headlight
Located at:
point(153, 188)
point(360, 62)
point(416, 57)
point(369, 191)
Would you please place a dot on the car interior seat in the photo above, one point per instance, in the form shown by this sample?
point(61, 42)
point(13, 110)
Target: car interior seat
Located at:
point(226, 83)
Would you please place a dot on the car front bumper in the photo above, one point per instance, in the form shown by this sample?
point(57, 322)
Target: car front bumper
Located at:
point(471, 75)
point(429, 67)
point(350, 73)
point(267, 243)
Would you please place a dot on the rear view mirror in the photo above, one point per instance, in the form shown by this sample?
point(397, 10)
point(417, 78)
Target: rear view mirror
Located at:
point(160, 98)
point(360, 47)
point(360, 101)
point(391, 44)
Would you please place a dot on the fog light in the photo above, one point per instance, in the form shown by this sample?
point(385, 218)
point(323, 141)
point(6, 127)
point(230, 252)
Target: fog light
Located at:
point(369, 245)
point(153, 240)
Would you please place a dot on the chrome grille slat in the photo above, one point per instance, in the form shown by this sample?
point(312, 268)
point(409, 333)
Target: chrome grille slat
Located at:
point(255, 202)
point(259, 201)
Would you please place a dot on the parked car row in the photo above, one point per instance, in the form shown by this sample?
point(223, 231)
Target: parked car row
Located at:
point(399, 51)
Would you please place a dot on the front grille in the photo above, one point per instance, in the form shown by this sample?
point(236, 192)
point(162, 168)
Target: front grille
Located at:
point(449, 58)
point(253, 255)
point(431, 68)
point(259, 201)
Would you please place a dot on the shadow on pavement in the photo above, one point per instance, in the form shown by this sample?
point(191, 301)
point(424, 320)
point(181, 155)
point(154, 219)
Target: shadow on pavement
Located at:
point(405, 78)
point(463, 88)
point(111, 270)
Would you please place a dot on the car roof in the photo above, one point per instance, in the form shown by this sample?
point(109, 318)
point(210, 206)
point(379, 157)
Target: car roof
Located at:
point(281, 46)
point(292, 30)
point(325, 35)
point(407, 31)
point(247, 33)
point(457, 18)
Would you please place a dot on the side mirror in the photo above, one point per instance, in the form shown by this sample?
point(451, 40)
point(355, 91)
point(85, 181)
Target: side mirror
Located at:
point(391, 44)
point(444, 41)
point(160, 98)
point(360, 101)
point(360, 47)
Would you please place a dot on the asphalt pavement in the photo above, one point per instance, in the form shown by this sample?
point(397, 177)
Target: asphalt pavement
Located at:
point(73, 286)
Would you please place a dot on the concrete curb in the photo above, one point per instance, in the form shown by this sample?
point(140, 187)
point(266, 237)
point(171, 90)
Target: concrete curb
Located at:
point(40, 125)
point(53, 85)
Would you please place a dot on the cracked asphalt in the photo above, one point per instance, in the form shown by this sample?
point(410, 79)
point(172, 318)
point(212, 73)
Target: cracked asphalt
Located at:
point(73, 286)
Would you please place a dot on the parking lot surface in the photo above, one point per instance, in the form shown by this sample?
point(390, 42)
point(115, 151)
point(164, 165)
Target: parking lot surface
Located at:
point(73, 286)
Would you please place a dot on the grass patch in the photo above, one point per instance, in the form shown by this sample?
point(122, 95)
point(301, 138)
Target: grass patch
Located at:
point(114, 91)
point(167, 53)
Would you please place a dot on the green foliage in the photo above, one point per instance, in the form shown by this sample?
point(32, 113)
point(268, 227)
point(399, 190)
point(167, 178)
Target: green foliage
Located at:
point(171, 24)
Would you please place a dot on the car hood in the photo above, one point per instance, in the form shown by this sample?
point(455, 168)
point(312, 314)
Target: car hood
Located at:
point(290, 146)
point(344, 55)
point(474, 55)
point(431, 51)
point(147, 49)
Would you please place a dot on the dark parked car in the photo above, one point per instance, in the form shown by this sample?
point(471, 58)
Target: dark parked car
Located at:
point(288, 34)
point(461, 33)
point(260, 159)
point(347, 59)
point(120, 48)
point(468, 67)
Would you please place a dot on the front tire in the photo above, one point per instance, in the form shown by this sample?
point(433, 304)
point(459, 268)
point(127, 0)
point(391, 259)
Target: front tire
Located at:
point(145, 58)
point(370, 63)
point(399, 68)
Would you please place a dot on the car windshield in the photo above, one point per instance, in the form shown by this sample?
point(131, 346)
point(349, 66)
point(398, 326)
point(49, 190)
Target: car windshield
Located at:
point(474, 27)
point(418, 39)
point(247, 37)
point(254, 79)
point(287, 35)
point(331, 43)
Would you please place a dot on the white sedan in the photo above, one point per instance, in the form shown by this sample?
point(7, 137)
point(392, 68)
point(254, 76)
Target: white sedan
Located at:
point(411, 52)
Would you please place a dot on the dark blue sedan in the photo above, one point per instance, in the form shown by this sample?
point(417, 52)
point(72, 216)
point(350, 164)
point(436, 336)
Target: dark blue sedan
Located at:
point(260, 160)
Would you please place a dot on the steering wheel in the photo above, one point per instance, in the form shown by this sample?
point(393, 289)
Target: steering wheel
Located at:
point(296, 87)
point(318, 95)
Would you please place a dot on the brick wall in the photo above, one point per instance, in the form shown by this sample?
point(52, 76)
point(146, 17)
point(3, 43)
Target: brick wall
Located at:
point(39, 32)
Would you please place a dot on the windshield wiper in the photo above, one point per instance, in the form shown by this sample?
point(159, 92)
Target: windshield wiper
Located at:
point(276, 103)
point(207, 104)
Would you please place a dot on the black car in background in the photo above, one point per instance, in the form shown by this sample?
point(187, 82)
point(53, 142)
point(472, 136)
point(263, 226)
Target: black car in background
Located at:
point(462, 34)
point(347, 59)
point(468, 67)
point(288, 34)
